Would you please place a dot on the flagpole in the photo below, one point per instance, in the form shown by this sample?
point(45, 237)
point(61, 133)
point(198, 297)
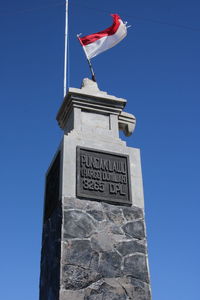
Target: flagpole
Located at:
point(66, 48)
point(91, 69)
point(88, 60)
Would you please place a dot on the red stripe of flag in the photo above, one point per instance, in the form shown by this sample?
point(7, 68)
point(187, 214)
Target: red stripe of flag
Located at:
point(88, 39)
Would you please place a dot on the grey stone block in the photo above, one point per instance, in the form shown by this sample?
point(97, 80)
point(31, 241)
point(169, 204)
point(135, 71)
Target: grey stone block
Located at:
point(96, 214)
point(106, 289)
point(135, 229)
point(110, 264)
point(76, 278)
point(77, 224)
point(79, 253)
point(130, 247)
point(114, 214)
point(135, 289)
point(132, 213)
point(72, 295)
point(136, 266)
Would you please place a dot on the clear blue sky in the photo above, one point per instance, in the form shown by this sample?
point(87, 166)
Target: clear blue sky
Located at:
point(157, 69)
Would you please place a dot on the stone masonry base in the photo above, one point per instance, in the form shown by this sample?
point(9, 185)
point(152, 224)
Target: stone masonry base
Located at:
point(103, 252)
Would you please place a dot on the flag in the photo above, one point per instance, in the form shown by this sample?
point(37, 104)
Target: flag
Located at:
point(99, 42)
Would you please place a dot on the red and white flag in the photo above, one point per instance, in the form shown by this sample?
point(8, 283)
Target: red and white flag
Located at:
point(99, 42)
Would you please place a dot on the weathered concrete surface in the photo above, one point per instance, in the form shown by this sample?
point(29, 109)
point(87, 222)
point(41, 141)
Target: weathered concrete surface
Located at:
point(68, 147)
point(104, 253)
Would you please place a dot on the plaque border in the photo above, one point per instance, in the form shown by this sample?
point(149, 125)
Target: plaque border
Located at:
point(98, 198)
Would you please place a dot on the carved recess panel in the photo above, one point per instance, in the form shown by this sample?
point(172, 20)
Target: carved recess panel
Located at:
point(103, 176)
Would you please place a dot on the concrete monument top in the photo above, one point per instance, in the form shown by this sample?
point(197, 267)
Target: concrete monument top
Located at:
point(89, 99)
point(90, 88)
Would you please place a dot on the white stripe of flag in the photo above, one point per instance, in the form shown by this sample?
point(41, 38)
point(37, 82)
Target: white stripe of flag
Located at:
point(97, 43)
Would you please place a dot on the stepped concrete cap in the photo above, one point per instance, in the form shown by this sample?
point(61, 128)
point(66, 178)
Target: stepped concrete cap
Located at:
point(90, 88)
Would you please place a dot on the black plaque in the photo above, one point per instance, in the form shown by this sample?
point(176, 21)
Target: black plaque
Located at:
point(52, 188)
point(103, 176)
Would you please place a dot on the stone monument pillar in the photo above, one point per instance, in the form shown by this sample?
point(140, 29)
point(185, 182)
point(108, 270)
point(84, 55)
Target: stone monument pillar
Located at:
point(94, 239)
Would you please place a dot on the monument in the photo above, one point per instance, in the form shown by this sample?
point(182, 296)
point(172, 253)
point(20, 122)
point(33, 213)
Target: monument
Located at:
point(94, 238)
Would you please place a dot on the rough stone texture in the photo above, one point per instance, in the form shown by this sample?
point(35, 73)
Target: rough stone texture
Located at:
point(77, 224)
point(104, 252)
point(100, 251)
point(50, 257)
point(134, 229)
point(110, 289)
